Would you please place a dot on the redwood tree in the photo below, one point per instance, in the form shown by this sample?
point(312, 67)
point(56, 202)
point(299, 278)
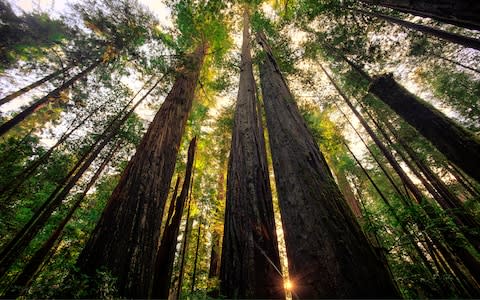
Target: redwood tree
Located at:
point(250, 259)
point(125, 239)
point(458, 144)
point(328, 254)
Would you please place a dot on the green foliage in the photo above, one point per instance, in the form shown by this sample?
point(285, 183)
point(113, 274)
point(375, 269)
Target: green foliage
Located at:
point(27, 36)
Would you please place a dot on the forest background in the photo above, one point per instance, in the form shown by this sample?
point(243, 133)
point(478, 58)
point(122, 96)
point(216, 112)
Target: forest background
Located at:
point(96, 89)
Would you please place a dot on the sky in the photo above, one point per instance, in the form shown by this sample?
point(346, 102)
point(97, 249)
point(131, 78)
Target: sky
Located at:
point(162, 12)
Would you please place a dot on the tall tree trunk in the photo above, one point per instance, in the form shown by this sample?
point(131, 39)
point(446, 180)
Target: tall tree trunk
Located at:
point(45, 99)
point(459, 145)
point(388, 155)
point(166, 252)
point(195, 261)
point(37, 83)
point(462, 13)
point(328, 254)
point(185, 243)
point(465, 41)
point(348, 193)
point(39, 258)
point(14, 248)
point(445, 198)
point(125, 239)
point(214, 269)
point(250, 258)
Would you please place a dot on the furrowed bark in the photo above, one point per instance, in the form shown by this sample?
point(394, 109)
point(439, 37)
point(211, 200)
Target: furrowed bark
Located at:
point(328, 254)
point(37, 83)
point(250, 259)
point(45, 100)
point(125, 239)
point(459, 145)
point(166, 252)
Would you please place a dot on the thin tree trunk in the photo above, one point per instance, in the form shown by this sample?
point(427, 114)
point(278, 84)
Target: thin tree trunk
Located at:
point(459, 145)
point(188, 227)
point(463, 180)
point(39, 258)
point(37, 83)
point(388, 155)
point(404, 228)
point(19, 179)
point(195, 261)
point(14, 248)
point(45, 100)
point(463, 13)
point(379, 163)
point(250, 258)
point(314, 213)
point(125, 239)
point(166, 252)
point(215, 256)
point(455, 62)
point(465, 41)
point(348, 193)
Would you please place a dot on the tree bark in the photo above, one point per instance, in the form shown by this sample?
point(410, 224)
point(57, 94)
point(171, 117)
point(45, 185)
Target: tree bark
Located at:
point(45, 99)
point(465, 41)
point(328, 254)
point(462, 13)
point(37, 83)
point(250, 259)
point(459, 145)
point(166, 252)
point(125, 239)
point(39, 258)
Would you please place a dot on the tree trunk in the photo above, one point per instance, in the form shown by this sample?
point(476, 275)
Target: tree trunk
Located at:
point(195, 261)
point(125, 239)
point(328, 254)
point(39, 258)
point(458, 144)
point(166, 252)
point(186, 235)
point(214, 256)
point(45, 100)
point(250, 258)
point(388, 155)
point(37, 83)
point(348, 193)
point(465, 41)
point(14, 248)
point(462, 13)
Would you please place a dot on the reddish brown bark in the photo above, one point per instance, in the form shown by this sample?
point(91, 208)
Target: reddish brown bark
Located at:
point(328, 254)
point(125, 239)
point(250, 259)
point(166, 252)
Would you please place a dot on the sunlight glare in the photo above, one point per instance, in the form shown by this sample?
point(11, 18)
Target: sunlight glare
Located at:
point(288, 285)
